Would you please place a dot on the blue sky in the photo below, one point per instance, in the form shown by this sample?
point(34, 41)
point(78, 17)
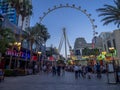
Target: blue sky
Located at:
point(76, 23)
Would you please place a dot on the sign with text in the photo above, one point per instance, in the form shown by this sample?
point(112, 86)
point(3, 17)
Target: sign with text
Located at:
point(15, 53)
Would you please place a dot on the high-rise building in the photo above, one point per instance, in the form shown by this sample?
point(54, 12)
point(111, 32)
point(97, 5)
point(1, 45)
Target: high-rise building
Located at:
point(80, 44)
point(26, 22)
point(6, 9)
point(10, 12)
point(111, 39)
point(106, 40)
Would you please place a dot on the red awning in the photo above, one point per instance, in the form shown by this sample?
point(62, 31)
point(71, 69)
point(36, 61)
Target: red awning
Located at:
point(51, 58)
point(34, 58)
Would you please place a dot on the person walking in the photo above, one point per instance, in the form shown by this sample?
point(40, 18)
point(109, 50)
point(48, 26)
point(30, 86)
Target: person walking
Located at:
point(44, 68)
point(53, 70)
point(76, 68)
point(63, 70)
point(89, 71)
point(58, 70)
point(98, 69)
point(79, 71)
point(84, 71)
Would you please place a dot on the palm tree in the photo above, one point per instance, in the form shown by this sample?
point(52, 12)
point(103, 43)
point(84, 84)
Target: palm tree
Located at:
point(43, 34)
point(6, 37)
point(26, 10)
point(36, 35)
point(30, 36)
point(23, 8)
point(17, 4)
point(111, 13)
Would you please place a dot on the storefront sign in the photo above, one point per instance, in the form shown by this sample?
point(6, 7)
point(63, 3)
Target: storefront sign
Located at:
point(21, 54)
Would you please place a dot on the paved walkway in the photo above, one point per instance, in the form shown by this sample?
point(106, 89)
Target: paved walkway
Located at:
point(48, 82)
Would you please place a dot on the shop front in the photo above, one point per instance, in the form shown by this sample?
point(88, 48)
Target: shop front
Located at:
point(16, 59)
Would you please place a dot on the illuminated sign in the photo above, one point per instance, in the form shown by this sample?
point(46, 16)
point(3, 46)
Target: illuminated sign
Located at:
point(23, 54)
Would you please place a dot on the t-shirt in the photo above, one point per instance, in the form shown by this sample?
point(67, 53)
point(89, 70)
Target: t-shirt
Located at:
point(76, 68)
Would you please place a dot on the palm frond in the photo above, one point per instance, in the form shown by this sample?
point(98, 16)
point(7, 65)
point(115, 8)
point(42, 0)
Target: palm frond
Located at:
point(110, 14)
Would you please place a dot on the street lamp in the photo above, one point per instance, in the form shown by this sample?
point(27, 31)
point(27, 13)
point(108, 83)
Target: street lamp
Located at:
point(39, 53)
point(18, 44)
point(112, 51)
point(104, 53)
point(103, 56)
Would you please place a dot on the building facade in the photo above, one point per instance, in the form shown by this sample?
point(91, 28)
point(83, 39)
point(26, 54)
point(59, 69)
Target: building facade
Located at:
point(116, 41)
point(6, 9)
point(111, 39)
point(26, 22)
point(80, 44)
point(10, 12)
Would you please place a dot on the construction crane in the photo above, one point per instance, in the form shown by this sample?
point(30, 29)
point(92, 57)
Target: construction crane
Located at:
point(64, 39)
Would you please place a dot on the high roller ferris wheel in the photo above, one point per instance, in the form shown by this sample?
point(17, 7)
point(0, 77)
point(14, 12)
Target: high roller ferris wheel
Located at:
point(64, 38)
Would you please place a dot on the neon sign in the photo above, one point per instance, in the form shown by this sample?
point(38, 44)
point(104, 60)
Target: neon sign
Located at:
point(22, 54)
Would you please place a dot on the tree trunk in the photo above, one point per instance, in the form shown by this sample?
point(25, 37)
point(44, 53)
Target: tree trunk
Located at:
point(11, 59)
point(31, 51)
point(21, 31)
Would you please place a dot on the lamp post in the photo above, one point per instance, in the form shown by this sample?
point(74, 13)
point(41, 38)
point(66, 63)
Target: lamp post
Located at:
point(112, 51)
point(18, 44)
point(39, 53)
point(104, 54)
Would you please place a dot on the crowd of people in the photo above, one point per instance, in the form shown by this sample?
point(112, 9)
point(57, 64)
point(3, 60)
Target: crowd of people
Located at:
point(86, 71)
point(81, 71)
point(54, 69)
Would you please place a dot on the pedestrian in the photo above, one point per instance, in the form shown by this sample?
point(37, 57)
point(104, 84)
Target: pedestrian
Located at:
point(98, 69)
point(79, 70)
point(84, 71)
point(63, 70)
point(94, 68)
point(36, 68)
point(44, 68)
point(89, 71)
point(58, 70)
point(76, 68)
point(53, 70)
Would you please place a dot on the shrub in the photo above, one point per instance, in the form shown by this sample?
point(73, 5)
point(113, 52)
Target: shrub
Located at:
point(8, 72)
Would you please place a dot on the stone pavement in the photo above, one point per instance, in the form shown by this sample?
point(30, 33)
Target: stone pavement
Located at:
point(48, 82)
